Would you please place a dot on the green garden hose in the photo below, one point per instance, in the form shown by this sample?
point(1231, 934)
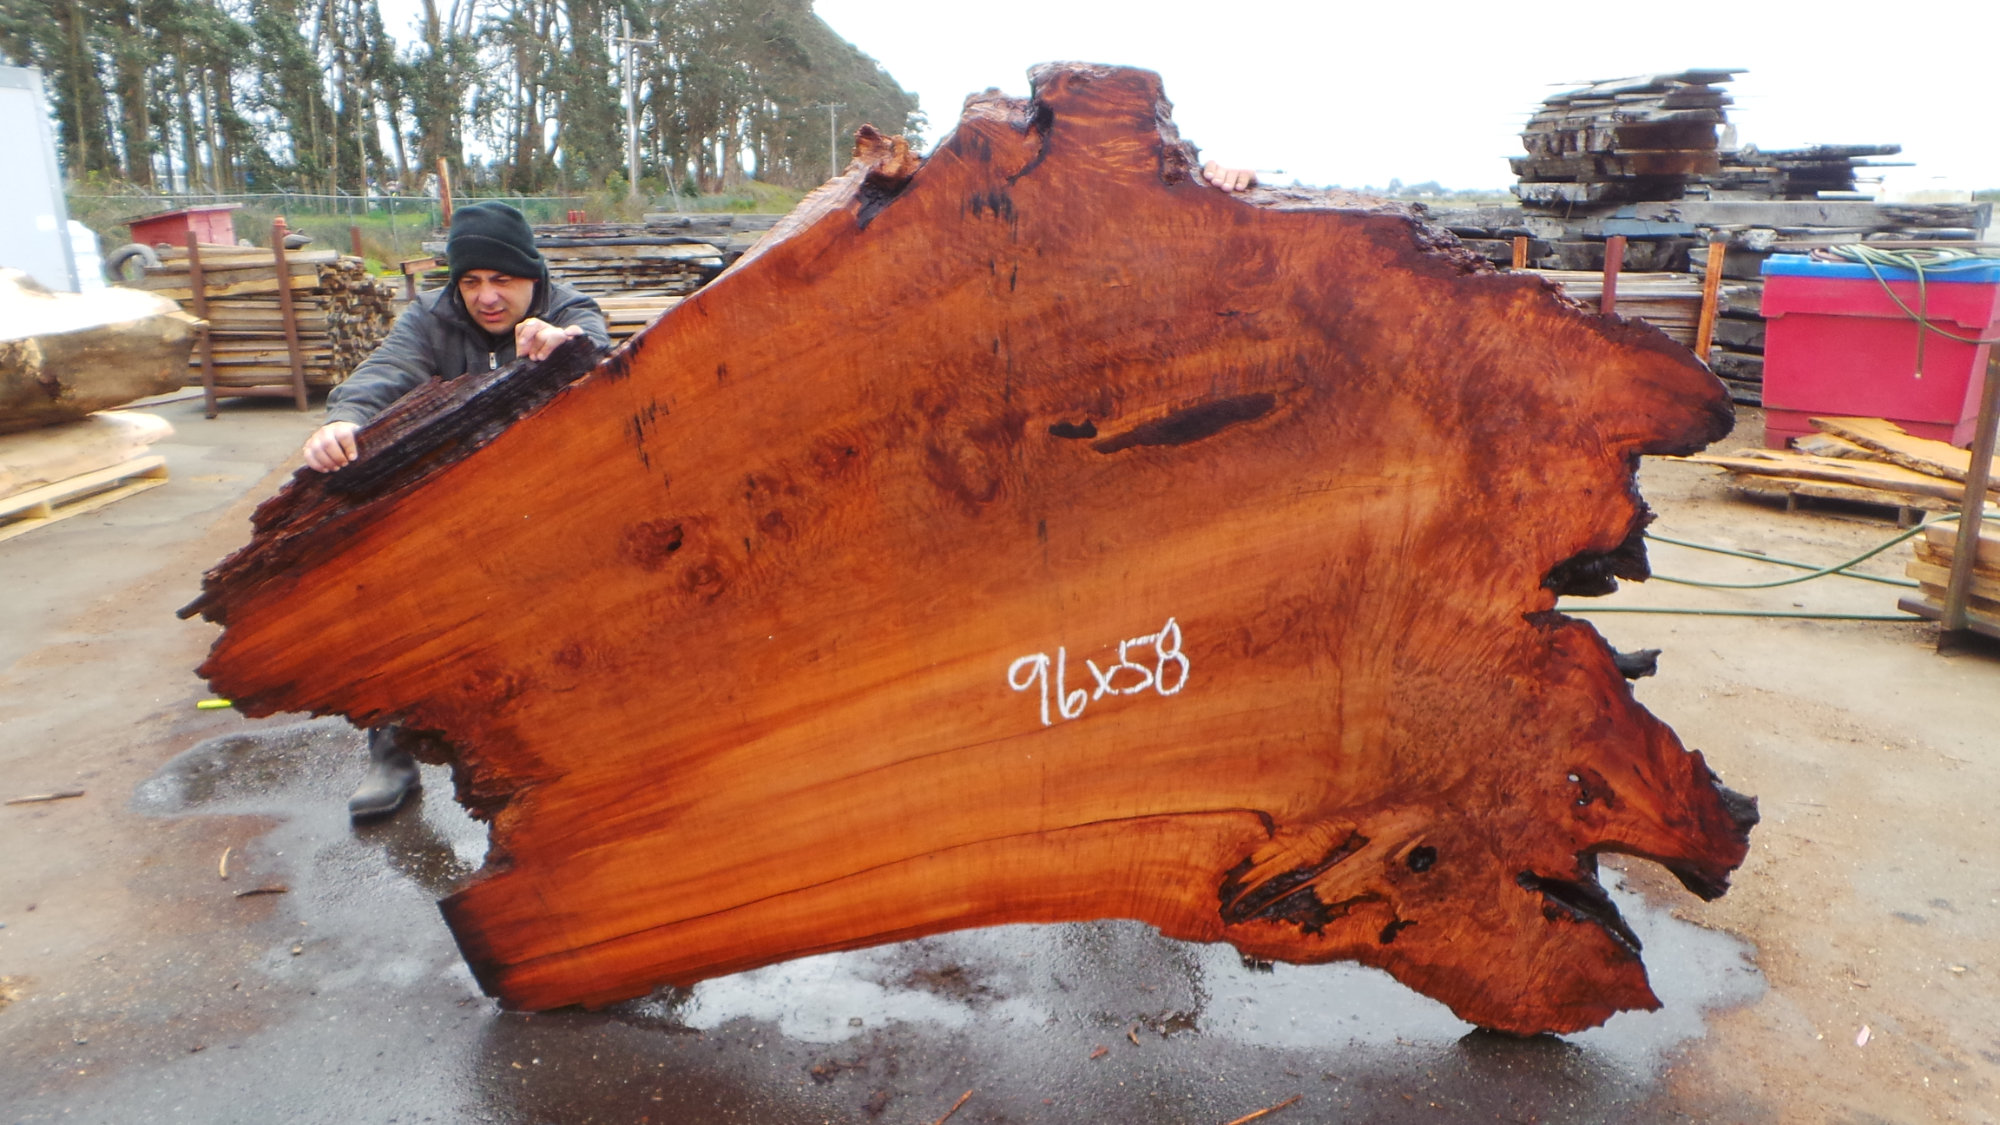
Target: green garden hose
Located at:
point(1815, 572)
point(1923, 263)
point(1803, 613)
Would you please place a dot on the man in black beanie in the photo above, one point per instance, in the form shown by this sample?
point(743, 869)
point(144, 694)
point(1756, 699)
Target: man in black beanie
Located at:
point(500, 304)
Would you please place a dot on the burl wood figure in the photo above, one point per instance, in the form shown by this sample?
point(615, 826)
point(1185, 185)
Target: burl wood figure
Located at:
point(1027, 533)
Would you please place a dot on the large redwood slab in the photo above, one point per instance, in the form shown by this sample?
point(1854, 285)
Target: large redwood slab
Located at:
point(1034, 534)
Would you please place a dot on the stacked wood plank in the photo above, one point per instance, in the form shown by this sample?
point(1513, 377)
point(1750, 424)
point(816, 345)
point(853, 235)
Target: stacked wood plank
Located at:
point(1670, 302)
point(1792, 173)
point(1759, 225)
point(1623, 140)
point(1934, 552)
point(342, 311)
point(1863, 460)
point(625, 316)
point(1737, 353)
point(1639, 158)
point(669, 254)
point(637, 271)
point(629, 258)
point(734, 232)
point(1674, 236)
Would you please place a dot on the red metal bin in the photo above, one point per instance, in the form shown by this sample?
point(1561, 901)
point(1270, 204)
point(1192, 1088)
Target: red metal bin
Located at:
point(1836, 343)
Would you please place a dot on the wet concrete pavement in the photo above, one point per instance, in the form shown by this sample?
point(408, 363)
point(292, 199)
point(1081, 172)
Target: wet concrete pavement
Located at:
point(343, 998)
point(136, 984)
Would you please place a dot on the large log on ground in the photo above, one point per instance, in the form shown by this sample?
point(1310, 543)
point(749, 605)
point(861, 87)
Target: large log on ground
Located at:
point(64, 355)
point(1030, 533)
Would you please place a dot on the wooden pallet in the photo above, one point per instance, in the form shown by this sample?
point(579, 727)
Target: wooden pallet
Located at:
point(87, 492)
point(1864, 461)
point(1906, 509)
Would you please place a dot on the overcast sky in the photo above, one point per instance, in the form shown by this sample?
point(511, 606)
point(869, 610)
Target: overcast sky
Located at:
point(1333, 92)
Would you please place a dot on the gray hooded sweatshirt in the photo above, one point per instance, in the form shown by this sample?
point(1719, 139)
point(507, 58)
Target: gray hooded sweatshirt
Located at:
point(436, 338)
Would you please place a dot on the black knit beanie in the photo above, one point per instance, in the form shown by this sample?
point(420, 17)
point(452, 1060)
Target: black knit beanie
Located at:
point(492, 236)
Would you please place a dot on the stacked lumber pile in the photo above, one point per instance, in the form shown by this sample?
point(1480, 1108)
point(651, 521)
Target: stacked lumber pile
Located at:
point(637, 271)
point(1755, 229)
point(1935, 551)
point(1655, 138)
point(1792, 173)
point(630, 258)
point(1639, 159)
point(1674, 236)
point(1736, 353)
point(1490, 231)
point(669, 254)
point(342, 312)
point(1670, 302)
point(1863, 460)
point(734, 232)
point(626, 316)
point(1624, 140)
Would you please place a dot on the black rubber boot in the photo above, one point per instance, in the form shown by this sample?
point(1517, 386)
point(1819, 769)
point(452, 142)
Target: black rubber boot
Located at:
point(392, 776)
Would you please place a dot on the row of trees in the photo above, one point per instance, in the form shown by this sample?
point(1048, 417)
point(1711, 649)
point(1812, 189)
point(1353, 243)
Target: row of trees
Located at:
point(315, 95)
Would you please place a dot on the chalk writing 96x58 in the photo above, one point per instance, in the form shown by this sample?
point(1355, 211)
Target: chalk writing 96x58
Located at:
point(1126, 677)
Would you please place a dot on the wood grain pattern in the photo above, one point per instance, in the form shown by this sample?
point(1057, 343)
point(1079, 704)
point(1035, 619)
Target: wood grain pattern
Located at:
point(1030, 533)
point(1886, 476)
point(1889, 441)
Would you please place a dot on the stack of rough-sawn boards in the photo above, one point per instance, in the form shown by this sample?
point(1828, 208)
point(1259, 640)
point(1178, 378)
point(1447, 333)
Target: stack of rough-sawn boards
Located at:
point(1935, 550)
point(1866, 460)
point(341, 310)
point(1670, 302)
point(637, 271)
point(1624, 140)
point(628, 258)
point(624, 316)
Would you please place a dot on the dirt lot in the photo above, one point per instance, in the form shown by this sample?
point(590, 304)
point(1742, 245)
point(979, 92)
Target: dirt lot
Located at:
point(1870, 893)
point(1852, 975)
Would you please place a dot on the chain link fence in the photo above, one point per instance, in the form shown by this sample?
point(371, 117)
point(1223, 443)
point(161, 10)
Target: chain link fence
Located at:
point(390, 228)
point(538, 208)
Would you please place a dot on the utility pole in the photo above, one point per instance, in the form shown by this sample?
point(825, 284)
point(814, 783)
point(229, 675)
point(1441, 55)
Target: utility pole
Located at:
point(632, 106)
point(832, 136)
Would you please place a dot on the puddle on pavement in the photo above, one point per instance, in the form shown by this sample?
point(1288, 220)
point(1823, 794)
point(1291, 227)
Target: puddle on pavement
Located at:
point(303, 774)
point(1118, 977)
point(1119, 972)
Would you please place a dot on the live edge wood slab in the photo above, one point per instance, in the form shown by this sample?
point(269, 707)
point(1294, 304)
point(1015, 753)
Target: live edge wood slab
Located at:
point(1026, 533)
